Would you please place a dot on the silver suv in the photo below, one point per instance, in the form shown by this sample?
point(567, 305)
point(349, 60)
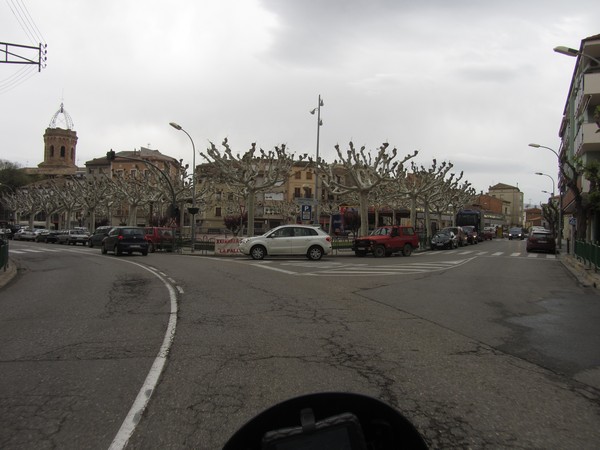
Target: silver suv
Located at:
point(288, 240)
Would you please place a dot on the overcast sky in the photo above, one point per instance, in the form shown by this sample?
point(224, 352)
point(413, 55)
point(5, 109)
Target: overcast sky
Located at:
point(469, 82)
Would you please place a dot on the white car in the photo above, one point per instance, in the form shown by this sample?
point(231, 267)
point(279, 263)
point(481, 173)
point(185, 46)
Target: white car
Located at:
point(288, 240)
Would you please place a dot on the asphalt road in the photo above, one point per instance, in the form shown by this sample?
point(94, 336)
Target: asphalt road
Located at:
point(483, 346)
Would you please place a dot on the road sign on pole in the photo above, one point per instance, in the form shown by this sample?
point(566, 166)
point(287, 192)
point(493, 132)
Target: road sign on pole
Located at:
point(306, 212)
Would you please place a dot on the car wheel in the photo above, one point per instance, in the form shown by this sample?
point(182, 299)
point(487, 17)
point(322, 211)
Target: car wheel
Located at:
point(258, 252)
point(117, 251)
point(144, 252)
point(90, 244)
point(315, 253)
point(103, 249)
point(407, 250)
point(379, 251)
point(151, 248)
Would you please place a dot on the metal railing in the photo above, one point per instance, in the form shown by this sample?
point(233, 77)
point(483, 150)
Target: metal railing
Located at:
point(588, 253)
point(3, 254)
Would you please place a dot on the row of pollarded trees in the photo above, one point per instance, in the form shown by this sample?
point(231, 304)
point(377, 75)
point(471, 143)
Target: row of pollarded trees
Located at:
point(356, 176)
point(95, 199)
point(378, 180)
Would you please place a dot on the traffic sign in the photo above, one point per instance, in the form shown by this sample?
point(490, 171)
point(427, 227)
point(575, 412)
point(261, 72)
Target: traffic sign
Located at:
point(306, 212)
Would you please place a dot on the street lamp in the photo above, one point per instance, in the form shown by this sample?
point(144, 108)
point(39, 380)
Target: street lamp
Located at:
point(546, 175)
point(572, 52)
point(560, 194)
point(193, 210)
point(319, 125)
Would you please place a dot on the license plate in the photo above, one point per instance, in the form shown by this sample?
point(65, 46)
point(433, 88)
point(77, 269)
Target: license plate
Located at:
point(134, 246)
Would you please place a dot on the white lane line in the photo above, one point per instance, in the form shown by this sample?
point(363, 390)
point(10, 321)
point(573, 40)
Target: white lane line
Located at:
point(515, 254)
point(143, 397)
point(497, 253)
point(262, 266)
point(532, 255)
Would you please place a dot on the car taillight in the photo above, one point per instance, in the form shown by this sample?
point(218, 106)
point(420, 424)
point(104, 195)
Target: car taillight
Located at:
point(328, 238)
point(120, 237)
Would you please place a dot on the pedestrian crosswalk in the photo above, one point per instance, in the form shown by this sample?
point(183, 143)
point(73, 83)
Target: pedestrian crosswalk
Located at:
point(489, 253)
point(26, 251)
point(329, 268)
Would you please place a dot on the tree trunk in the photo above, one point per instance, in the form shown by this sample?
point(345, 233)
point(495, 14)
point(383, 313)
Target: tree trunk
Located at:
point(364, 213)
point(250, 210)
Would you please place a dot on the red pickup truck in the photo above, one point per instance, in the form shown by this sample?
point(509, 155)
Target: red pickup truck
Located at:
point(385, 241)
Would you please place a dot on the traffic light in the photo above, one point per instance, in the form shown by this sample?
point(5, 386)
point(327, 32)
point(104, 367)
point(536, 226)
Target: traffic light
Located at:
point(110, 155)
point(173, 211)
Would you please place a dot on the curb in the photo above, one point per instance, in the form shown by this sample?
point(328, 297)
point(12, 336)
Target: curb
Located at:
point(8, 273)
point(586, 276)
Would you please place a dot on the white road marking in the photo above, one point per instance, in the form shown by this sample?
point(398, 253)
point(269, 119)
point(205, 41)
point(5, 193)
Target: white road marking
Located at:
point(143, 397)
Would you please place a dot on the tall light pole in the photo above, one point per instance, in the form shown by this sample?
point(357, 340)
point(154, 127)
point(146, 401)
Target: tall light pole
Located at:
point(193, 210)
point(553, 187)
point(560, 194)
point(546, 175)
point(319, 125)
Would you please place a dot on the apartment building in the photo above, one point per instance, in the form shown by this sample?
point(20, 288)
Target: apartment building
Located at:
point(580, 135)
point(512, 203)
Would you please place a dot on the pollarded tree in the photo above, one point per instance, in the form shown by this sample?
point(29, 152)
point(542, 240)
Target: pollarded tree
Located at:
point(361, 173)
point(251, 173)
point(417, 184)
point(462, 195)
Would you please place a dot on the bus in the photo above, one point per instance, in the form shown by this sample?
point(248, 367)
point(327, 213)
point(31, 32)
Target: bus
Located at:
point(470, 217)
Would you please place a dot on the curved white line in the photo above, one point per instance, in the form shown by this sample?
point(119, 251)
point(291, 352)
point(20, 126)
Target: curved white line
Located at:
point(143, 397)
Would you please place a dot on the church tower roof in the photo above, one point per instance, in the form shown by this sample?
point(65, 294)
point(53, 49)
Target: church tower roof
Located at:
point(61, 117)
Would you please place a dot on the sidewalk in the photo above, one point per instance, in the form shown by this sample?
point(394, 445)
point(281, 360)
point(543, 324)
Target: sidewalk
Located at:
point(587, 277)
point(7, 275)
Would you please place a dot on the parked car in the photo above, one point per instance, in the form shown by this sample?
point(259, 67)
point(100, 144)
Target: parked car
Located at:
point(160, 238)
point(95, 239)
point(24, 234)
point(73, 237)
point(387, 240)
point(443, 240)
point(459, 235)
point(541, 240)
point(471, 232)
point(489, 233)
point(516, 233)
point(125, 240)
point(48, 236)
point(288, 240)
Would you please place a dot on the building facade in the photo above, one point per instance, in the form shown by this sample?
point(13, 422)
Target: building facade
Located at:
point(580, 135)
point(512, 203)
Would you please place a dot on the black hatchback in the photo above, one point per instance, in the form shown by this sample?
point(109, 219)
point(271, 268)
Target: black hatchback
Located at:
point(125, 240)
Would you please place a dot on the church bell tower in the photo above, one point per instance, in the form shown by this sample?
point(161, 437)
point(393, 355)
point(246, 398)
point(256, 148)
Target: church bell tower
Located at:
point(60, 145)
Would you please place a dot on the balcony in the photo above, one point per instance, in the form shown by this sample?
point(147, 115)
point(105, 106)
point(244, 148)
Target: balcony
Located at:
point(588, 139)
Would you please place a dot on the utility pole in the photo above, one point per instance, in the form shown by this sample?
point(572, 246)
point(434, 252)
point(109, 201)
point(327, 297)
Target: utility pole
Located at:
point(26, 54)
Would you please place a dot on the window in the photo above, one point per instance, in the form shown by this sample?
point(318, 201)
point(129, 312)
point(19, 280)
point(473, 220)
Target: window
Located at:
point(309, 175)
point(62, 151)
point(298, 175)
point(304, 232)
point(218, 211)
point(297, 193)
point(52, 151)
point(133, 172)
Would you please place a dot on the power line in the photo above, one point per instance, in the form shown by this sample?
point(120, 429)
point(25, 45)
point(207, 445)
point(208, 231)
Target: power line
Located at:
point(26, 21)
